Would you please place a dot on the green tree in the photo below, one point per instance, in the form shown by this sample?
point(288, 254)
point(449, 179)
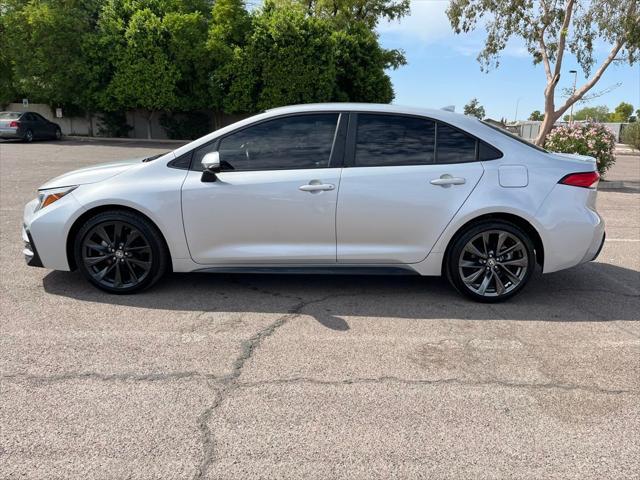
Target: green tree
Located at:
point(156, 50)
point(360, 66)
point(345, 13)
point(595, 114)
point(536, 115)
point(229, 28)
point(474, 109)
point(621, 113)
point(288, 59)
point(549, 28)
point(47, 57)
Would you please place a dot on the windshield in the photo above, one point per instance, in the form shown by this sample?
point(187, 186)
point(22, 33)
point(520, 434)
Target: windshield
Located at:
point(9, 115)
point(515, 137)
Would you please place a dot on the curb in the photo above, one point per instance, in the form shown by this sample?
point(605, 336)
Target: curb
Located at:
point(618, 185)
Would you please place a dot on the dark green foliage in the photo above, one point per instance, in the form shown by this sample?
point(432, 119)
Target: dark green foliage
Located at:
point(193, 55)
point(114, 124)
point(186, 125)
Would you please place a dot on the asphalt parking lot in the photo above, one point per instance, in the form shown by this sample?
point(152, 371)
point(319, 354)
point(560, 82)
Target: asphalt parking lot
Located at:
point(248, 376)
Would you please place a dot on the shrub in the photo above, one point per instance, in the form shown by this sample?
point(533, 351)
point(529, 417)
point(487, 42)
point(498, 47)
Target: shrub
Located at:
point(186, 125)
point(591, 139)
point(631, 135)
point(114, 124)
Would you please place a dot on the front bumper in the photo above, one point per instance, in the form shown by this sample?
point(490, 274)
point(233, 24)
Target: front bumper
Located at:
point(29, 251)
point(48, 229)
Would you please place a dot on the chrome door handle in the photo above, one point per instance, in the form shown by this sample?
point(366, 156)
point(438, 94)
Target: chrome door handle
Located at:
point(316, 187)
point(447, 180)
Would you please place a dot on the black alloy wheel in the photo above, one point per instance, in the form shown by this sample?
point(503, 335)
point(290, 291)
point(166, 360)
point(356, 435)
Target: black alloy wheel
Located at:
point(491, 261)
point(120, 252)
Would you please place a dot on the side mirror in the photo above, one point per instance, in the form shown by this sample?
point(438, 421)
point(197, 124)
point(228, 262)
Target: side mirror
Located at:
point(211, 162)
point(211, 165)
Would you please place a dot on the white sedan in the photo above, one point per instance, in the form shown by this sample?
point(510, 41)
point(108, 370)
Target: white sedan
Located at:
point(329, 188)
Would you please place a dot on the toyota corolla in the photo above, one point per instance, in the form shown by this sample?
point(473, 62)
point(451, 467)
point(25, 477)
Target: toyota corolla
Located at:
point(330, 188)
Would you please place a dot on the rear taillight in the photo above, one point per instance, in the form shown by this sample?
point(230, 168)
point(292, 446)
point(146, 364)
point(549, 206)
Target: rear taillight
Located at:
point(14, 124)
point(582, 179)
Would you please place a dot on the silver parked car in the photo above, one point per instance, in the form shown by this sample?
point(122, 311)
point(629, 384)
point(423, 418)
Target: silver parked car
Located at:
point(327, 188)
point(28, 126)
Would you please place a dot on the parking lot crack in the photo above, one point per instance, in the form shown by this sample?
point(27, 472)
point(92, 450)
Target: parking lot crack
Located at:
point(230, 382)
point(108, 377)
point(441, 381)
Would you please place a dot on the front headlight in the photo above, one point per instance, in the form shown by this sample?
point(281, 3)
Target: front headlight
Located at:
point(51, 195)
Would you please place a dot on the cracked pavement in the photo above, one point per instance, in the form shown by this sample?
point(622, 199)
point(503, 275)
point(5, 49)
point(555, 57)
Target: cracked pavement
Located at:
point(249, 376)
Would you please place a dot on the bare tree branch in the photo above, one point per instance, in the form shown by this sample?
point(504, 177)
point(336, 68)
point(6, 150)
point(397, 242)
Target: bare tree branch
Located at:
point(593, 80)
point(562, 37)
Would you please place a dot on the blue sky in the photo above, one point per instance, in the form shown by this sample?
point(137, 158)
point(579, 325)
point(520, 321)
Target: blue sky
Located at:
point(442, 69)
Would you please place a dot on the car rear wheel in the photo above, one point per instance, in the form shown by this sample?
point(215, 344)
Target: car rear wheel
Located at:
point(58, 134)
point(120, 252)
point(491, 261)
point(28, 136)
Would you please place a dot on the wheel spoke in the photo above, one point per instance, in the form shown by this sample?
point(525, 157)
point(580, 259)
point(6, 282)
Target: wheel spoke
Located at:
point(95, 246)
point(485, 283)
point(117, 233)
point(470, 264)
point(134, 277)
point(471, 248)
point(485, 242)
point(140, 263)
point(138, 249)
point(510, 249)
point(117, 281)
point(518, 262)
point(514, 278)
point(499, 285)
point(102, 233)
point(90, 261)
point(133, 234)
point(502, 236)
point(103, 273)
point(473, 277)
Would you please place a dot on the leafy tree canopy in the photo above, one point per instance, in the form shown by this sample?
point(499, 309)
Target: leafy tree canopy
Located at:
point(549, 28)
point(536, 115)
point(347, 12)
point(474, 109)
point(621, 113)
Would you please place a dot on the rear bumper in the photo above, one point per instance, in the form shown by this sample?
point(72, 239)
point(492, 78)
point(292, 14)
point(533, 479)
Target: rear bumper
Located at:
point(573, 232)
point(10, 133)
point(590, 256)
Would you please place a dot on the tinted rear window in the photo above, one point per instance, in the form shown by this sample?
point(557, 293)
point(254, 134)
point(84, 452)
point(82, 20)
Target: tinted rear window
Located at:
point(454, 146)
point(386, 140)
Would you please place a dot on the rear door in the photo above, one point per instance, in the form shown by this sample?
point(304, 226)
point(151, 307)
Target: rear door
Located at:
point(404, 179)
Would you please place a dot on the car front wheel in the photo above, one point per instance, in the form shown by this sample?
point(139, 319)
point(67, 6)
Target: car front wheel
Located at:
point(120, 252)
point(28, 136)
point(491, 261)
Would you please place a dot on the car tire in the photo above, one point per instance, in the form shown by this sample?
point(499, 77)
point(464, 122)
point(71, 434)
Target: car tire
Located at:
point(120, 252)
point(58, 134)
point(28, 136)
point(490, 261)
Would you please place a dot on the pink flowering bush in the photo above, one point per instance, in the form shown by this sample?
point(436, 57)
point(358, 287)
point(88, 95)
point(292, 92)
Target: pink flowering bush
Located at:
point(591, 139)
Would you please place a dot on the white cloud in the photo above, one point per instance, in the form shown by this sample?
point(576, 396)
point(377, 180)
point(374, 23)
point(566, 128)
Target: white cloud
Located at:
point(427, 22)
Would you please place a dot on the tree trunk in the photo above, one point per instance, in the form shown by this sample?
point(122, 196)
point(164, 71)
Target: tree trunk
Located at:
point(545, 127)
point(149, 118)
point(90, 121)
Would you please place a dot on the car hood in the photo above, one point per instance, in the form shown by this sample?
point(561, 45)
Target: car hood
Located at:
point(96, 173)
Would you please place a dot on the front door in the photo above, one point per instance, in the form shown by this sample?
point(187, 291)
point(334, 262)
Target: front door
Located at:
point(400, 191)
point(274, 201)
